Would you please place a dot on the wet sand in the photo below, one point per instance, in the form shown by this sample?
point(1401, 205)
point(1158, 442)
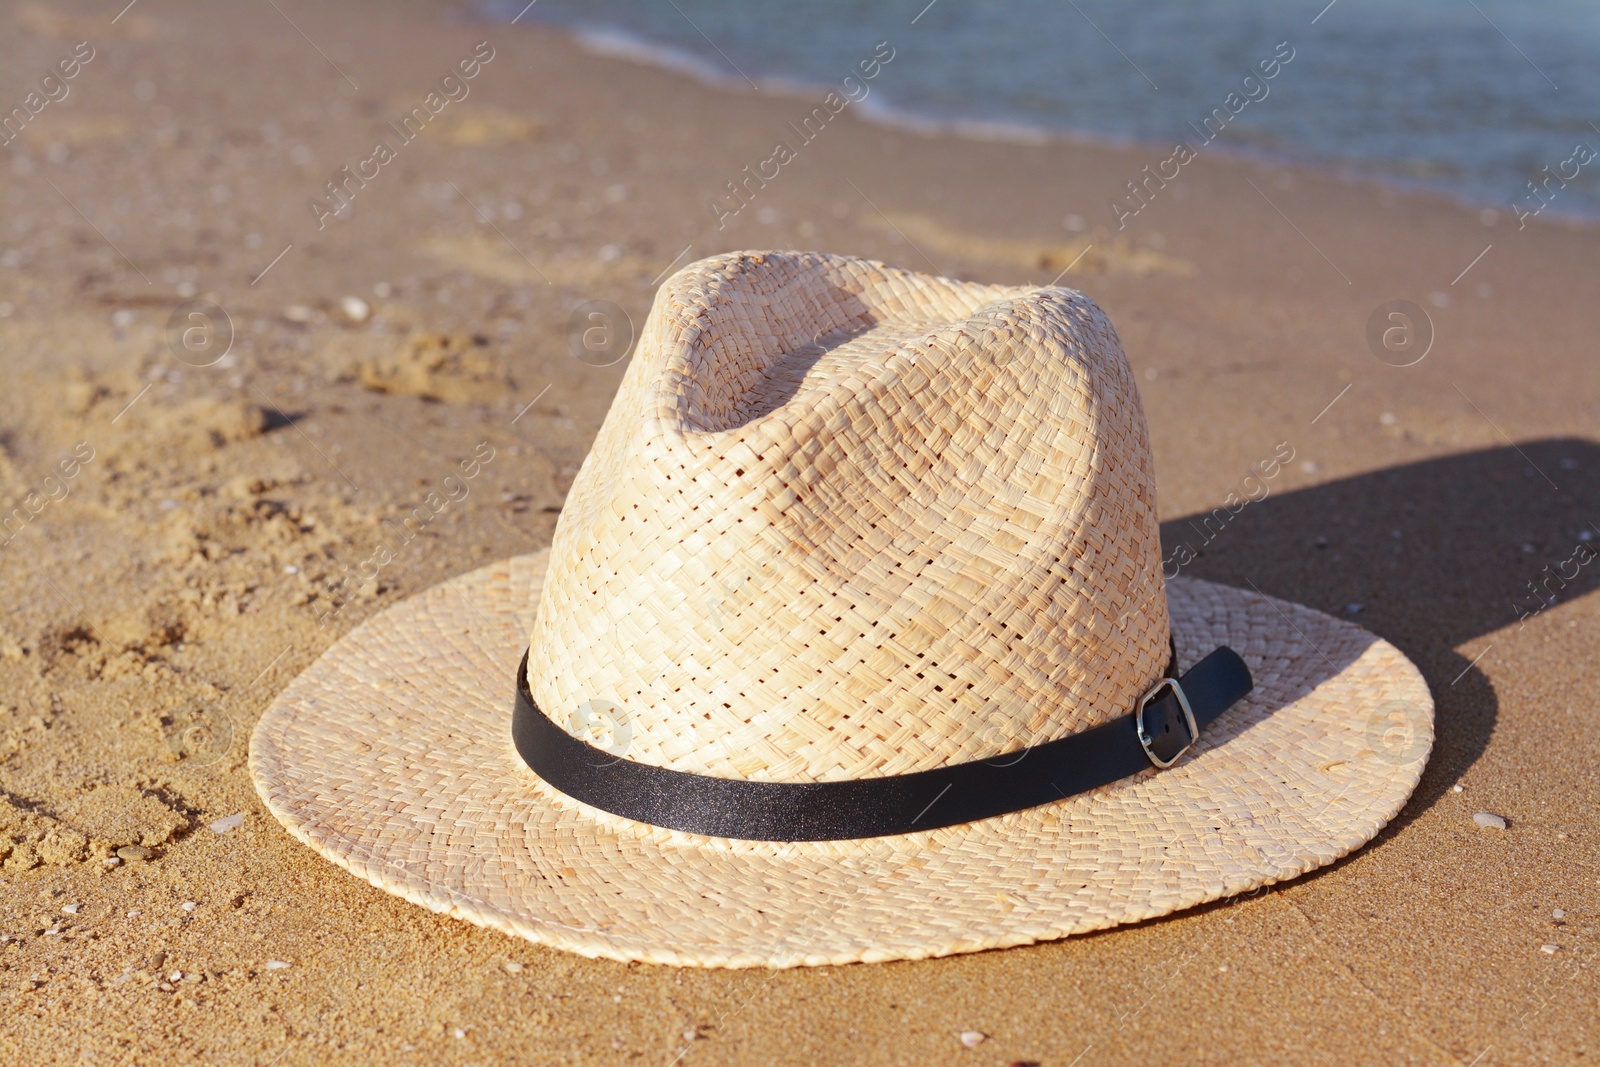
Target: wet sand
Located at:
point(212, 535)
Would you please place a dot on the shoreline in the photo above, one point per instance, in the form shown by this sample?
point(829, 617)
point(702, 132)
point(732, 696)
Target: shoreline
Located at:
point(612, 42)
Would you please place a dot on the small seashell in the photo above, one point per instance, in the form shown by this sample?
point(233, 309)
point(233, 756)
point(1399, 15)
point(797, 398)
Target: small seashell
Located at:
point(973, 1038)
point(354, 309)
point(1489, 821)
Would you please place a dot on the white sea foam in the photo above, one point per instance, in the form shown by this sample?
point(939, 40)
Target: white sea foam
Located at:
point(619, 44)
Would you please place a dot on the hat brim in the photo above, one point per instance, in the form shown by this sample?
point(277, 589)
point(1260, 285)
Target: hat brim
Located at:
point(391, 756)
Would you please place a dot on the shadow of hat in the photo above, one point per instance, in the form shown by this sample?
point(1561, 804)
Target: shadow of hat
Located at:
point(1431, 556)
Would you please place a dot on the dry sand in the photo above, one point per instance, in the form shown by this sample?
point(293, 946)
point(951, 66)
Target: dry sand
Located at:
point(197, 557)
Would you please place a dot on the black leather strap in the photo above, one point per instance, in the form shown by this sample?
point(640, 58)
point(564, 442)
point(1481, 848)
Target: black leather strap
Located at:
point(891, 804)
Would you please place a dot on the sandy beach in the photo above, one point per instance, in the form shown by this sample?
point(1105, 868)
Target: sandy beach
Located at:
point(219, 403)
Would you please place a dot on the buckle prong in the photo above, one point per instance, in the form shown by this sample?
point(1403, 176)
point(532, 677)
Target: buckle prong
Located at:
point(1145, 740)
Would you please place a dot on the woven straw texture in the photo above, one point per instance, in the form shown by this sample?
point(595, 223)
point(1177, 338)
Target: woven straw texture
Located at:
point(845, 520)
point(391, 756)
point(841, 521)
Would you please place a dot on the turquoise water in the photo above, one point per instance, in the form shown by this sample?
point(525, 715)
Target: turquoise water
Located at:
point(1474, 97)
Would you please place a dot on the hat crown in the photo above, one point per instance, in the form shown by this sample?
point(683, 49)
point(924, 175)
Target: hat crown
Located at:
point(844, 520)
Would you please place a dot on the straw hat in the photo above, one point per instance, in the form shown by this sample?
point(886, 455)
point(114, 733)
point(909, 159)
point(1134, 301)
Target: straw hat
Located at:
point(850, 539)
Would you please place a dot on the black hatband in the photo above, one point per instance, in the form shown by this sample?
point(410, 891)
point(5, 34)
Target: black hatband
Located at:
point(1154, 735)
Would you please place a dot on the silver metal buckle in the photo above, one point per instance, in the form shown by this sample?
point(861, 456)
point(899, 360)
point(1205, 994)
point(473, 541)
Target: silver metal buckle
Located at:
point(1188, 718)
